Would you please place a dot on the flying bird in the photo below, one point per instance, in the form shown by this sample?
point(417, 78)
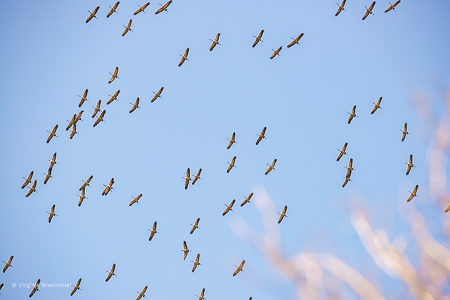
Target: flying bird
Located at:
point(82, 197)
point(239, 268)
point(282, 215)
point(157, 94)
point(413, 193)
point(340, 8)
point(92, 14)
point(404, 131)
point(83, 98)
point(261, 135)
point(114, 75)
point(48, 176)
point(152, 231)
point(35, 288)
point(72, 121)
point(100, 118)
point(377, 105)
point(276, 52)
point(187, 178)
point(410, 164)
point(76, 287)
point(86, 183)
point(142, 294)
point(196, 262)
point(52, 133)
point(96, 109)
point(342, 152)
point(73, 131)
point(163, 7)
point(113, 97)
point(108, 187)
point(197, 176)
point(258, 38)
point(233, 160)
point(185, 250)
point(296, 40)
point(184, 57)
point(232, 140)
point(51, 213)
point(32, 189)
point(214, 42)
point(202, 294)
point(113, 9)
point(141, 8)
point(229, 207)
point(195, 225)
point(368, 10)
point(27, 180)
point(135, 200)
point(247, 200)
point(271, 166)
point(135, 105)
point(392, 6)
point(111, 273)
point(349, 168)
point(8, 263)
point(352, 114)
point(127, 28)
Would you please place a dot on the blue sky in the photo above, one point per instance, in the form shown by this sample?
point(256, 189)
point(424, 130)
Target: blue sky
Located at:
point(49, 56)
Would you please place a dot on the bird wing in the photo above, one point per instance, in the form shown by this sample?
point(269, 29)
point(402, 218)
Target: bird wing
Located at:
point(447, 209)
point(212, 46)
point(291, 43)
point(374, 109)
point(268, 170)
point(350, 118)
point(236, 272)
point(371, 6)
point(160, 9)
point(73, 291)
point(347, 179)
point(280, 218)
point(365, 15)
point(97, 121)
point(273, 55)
point(408, 169)
point(338, 11)
point(108, 277)
point(138, 10)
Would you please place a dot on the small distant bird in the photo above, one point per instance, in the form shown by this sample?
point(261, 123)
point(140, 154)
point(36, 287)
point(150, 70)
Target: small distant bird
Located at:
point(282, 215)
point(185, 250)
point(276, 52)
point(187, 178)
point(341, 8)
point(232, 140)
point(184, 57)
point(8, 263)
point(73, 131)
point(296, 40)
point(233, 160)
point(202, 294)
point(152, 231)
point(111, 273)
point(82, 197)
point(342, 152)
point(113, 97)
point(229, 207)
point(271, 167)
point(72, 121)
point(135, 199)
point(410, 164)
point(142, 294)
point(32, 189)
point(196, 262)
point(96, 109)
point(163, 7)
point(108, 187)
point(141, 8)
point(83, 98)
point(51, 214)
point(135, 105)
point(86, 183)
point(247, 200)
point(369, 10)
point(413, 193)
point(157, 94)
point(258, 38)
point(352, 114)
point(197, 176)
point(113, 9)
point(52, 133)
point(27, 180)
point(377, 105)
point(35, 288)
point(214, 42)
point(349, 168)
point(127, 28)
point(76, 287)
point(261, 135)
point(239, 268)
point(114, 75)
point(392, 6)
point(195, 225)
point(404, 131)
point(48, 176)
point(100, 118)
point(92, 14)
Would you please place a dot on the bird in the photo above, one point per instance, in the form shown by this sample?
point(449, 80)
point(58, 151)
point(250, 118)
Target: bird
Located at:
point(27, 180)
point(152, 231)
point(410, 164)
point(113, 9)
point(35, 288)
point(76, 287)
point(187, 178)
point(135, 105)
point(349, 168)
point(96, 109)
point(341, 8)
point(392, 6)
point(368, 10)
point(239, 268)
point(347, 179)
point(185, 250)
point(52, 161)
point(197, 176)
point(135, 199)
point(247, 200)
point(282, 215)
point(296, 40)
point(86, 183)
point(51, 213)
point(32, 189)
point(163, 7)
point(261, 135)
point(127, 28)
point(202, 294)
point(48, 176)
point(276, 52)
point(413, 193)
point(141, 8)
point(92, 14)
point(82, 197)
point(157, 94)
point(229, 207)
point(271, 167)
point(258, 38)
point(404, 131)
point(352, 114)
point(100, 118)
point(142, 294)
point(214, 42)
point(8, 263)
point(184, 57)
point(233, 160)
point(52, 133)
point(377, 106)
point(71, 122)
point(83, 98)
point(111, 273)
point(232, 140)
point(195, 225)
point(196, 262)
point(108, 187)
point(114, 75)
point(113, 97)
point(73, 131)
point(342, 152)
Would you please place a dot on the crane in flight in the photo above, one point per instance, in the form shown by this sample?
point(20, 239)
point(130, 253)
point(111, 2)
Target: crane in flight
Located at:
point(48, 175)
point(276, 52)
point(35, 288)
point(113, 9)
point(377, 105)
point(196, 262)
point(73, 131)
point(114, 75)
point(92, 14)
point(152, 231)
point(404, 131)
point(108, 187)
point(100, 118)
point(96, 109)
point(52, 133)
point(141, 294)
point(392, 6)
point(82, 197)
point(231, 164)
point(202, 295)
point(229, 207)
point(83, 98)
point(214, 42)
point(51, 213)
point(185, 250)
point(27, 180)
point(239, 268)
point(197, 176)
point(271, 167)
point(113, 97)
point(261, 136)
point(76, 287)
point(71, 122)
point(135, 200)
point(368, 10)
point(111, 273)
point(141, 8)
point(352, 114)
point(296, 40)
point(232, 140)
point(413, 193)
point(32, 189)
point(127, 28)
point(135, 105)
point(86, 183)
point(340, 8)
point(342, 151)
point(184, 57)
point(258, 38)
point(282, 215)
point(187, 178)
point(195, 225)
point(247, 199)
point(8, 263)
point(409, 164)
point(163, 7)
point(157, 94)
